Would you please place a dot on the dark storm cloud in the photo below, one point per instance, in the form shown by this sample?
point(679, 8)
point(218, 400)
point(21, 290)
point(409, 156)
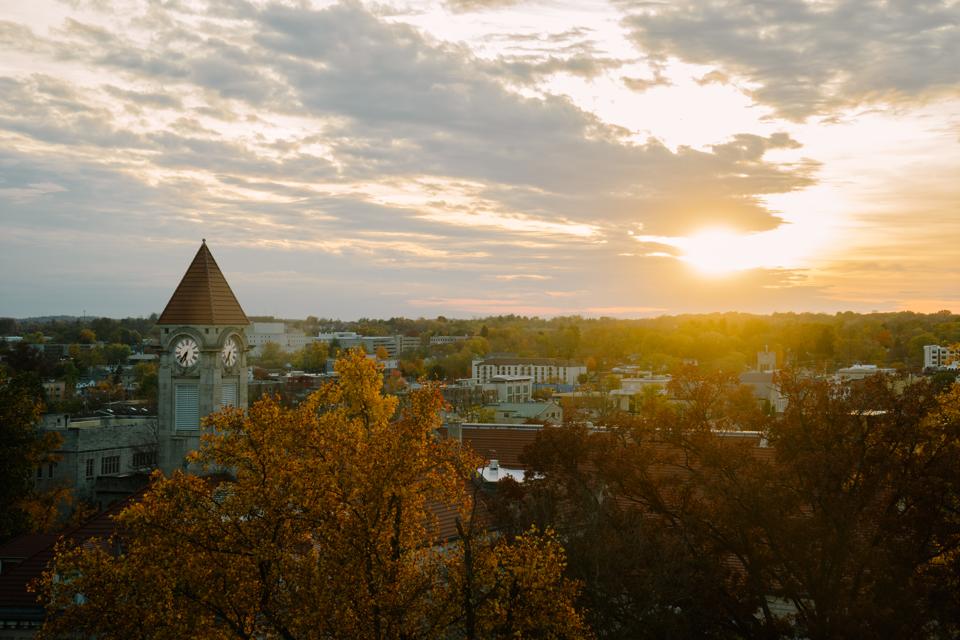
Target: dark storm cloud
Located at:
point(811, 58)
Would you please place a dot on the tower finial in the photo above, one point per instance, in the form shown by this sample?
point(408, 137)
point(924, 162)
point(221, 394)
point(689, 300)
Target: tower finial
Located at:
point(203, 240)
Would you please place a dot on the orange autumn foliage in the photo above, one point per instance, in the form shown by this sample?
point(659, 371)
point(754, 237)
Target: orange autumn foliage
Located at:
point(310, 522)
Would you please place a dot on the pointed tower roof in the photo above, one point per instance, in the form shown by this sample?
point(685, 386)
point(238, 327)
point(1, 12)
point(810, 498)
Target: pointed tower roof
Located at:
point(203, 296)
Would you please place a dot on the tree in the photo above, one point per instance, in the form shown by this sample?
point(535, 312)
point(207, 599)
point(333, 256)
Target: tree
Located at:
point(272, 356)
point(843, 509)
point(23, 448)
point(322, 521)
point(116, 353)
point(313, 357)
point(145, 376)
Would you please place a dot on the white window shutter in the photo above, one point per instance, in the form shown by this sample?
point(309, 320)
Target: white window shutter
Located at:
point(187, 406)
point(228, 394)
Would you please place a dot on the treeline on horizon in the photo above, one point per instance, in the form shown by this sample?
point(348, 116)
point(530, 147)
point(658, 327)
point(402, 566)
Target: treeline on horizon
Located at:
point(717, 341)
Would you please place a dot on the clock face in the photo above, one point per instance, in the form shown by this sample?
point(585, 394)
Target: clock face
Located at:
point(186, 352)
point(230, 352)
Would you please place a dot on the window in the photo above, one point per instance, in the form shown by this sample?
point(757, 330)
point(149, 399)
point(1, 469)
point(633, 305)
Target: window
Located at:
point(144, 459)
point(109, 464)
point(187, 398)
point(39, 472)
point(228, 394)
point(90, 467)
point(50, 468)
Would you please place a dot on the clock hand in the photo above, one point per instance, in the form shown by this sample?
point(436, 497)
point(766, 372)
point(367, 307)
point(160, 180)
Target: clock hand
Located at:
point(183, 358)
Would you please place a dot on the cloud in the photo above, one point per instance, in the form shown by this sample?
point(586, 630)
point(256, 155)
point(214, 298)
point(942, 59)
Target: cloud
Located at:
point(386, 102)
point(353, 144)
point(807, 58)
point(464, 6)
point(645, 84)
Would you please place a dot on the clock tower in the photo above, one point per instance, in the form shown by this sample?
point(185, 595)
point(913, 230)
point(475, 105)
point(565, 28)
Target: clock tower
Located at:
point(203, 357)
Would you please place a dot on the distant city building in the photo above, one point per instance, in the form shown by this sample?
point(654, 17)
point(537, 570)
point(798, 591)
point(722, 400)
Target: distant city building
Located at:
point(937, 357)
point(625, 398)
point(766, 360)
point(539, 369)
point(510, 388)
point(466, 394)
point(525, 412)
point(765, 389)
point(55, 390)
point(260, 333)
point(439, 340)
point(861, 371)
point(393, 345)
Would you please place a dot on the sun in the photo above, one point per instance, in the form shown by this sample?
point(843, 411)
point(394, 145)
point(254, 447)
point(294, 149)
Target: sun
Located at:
point(718, 252)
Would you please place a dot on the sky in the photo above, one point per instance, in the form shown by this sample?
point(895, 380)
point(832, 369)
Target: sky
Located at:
point(355, 159)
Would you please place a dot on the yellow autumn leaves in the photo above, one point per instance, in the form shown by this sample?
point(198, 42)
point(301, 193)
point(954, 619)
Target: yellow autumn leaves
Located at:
point(324, 520)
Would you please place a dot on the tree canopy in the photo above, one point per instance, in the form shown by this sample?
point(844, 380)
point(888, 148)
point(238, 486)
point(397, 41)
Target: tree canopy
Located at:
point(706, 517)
point(324, 520)
point(24, 448)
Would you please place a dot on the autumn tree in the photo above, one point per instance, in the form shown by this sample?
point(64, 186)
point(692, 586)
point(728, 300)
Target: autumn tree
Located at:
point(705, 517)
point(23, 448)
point(272, 356)
point(312, 357)
point(317, 521)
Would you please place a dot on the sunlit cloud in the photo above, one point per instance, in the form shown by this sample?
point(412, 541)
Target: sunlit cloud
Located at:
point(719, 251)
point(420, 150)
point(521, 276)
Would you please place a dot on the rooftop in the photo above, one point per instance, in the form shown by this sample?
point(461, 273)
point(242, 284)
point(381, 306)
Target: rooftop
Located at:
point(203, 296)
point(546, 362)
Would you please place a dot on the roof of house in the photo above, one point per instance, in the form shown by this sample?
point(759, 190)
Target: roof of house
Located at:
point(524, 409)
point(15, 599)
point(27, 544)
point(203, 296)
point(547, 362)
point(504, 443)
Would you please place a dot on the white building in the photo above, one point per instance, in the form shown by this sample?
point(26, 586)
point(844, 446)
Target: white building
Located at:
point(394, 345)
point(631, 388)
point(437, 340)
point(260, 333)
point(861, 371)
point(937, 357)
point(511, 388)
point(541, 370)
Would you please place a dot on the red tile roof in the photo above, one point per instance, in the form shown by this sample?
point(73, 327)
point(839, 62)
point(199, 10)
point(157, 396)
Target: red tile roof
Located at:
point(203, 296)
point(503, 443)
point(24, 546)
point(13, 585)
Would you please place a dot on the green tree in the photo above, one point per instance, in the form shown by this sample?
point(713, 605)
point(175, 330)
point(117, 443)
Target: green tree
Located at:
point(116, 353)
point(313, 357)
point(272, 356)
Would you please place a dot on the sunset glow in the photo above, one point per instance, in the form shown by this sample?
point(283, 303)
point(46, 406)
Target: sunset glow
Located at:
point(423, 151)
